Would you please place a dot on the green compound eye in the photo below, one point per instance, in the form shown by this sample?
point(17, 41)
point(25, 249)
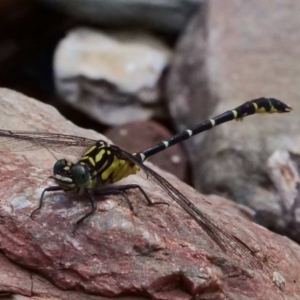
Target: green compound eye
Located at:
point(59, 166)
point(80, 174)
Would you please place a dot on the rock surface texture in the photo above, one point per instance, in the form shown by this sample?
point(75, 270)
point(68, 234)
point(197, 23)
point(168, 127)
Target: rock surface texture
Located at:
point(154, 253)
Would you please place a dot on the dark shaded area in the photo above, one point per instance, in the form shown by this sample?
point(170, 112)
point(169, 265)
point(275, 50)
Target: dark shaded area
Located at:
point(29, 34)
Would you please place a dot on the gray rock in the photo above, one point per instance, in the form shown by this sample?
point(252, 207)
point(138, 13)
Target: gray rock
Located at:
point(282, 214)
point(162, 15)
point(113, 78)
point(157, 251)
point(251, 55)
point(188, 92)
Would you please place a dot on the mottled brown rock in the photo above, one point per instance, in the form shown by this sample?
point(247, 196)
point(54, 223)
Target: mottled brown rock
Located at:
point(139, 136)
point(156, 252)
point(22, 284)
point(14, 279)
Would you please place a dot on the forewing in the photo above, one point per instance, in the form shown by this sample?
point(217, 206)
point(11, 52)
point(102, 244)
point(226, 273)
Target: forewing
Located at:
point(31, 140)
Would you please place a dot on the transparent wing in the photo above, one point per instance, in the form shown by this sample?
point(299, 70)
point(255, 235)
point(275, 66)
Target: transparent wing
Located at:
point(32, 140)
point(225, 240)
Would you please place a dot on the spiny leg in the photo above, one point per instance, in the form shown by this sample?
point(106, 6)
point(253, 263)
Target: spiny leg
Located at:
point(129, 187)
point(94, 207)
point(48, 189)
point(116, 191)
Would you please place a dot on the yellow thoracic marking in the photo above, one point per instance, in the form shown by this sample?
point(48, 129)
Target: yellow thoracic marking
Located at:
point(89, 151)
point(114, 166)
point(89, 159)
point(119, 169)
point(99, 155)
point(107, 166)
point(103, 167)
point(92, 162)
point(68, 166)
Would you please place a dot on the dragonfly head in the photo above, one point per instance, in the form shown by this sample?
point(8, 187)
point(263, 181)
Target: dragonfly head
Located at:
point(70, 176)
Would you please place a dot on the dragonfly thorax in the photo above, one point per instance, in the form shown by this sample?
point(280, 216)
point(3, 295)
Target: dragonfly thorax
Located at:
point(107, 163)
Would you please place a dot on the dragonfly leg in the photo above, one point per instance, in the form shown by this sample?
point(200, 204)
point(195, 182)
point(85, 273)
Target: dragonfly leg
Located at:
point(48, 189)
point(136, 186)
point(126, 198)
point(118, 190)
point(94, 207)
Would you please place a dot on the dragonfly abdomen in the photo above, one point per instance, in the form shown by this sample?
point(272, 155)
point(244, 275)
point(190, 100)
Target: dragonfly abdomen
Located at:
point(256, 106)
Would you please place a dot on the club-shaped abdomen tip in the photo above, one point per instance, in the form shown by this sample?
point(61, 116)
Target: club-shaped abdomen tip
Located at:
point(285, 107)
point(281, 106)
point(288, 108)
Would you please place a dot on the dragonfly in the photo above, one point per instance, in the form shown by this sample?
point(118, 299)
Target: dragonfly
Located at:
point(103, 164)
